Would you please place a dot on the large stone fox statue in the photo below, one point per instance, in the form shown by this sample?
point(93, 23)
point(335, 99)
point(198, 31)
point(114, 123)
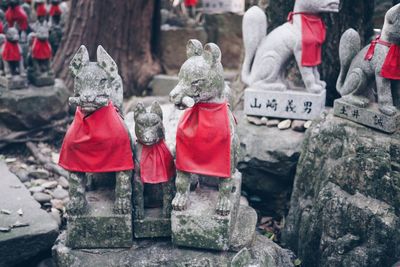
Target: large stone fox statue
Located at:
point(267, 55)
point(363, 70)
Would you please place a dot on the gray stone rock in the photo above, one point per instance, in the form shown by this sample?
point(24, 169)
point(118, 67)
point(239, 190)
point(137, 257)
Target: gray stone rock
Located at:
point(345, 204)
point(22, 243)
point(29, 108)
point(50, 184)
point(39, 174)
point(63, 182)
point(42, 197)
point(268, 162)
point(162, 84)
point(36, 189)
point(264, 253)
point(298, 125)
point(60, 193)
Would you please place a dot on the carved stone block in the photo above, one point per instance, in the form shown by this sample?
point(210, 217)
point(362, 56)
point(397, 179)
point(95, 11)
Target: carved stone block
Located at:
point(153, 225)
point(14, 82)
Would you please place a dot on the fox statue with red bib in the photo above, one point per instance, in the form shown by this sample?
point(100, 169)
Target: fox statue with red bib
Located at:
point(206, 141)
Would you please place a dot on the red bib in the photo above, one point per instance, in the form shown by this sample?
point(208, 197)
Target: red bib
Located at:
point(11, 51)
point(97, 143)
point(1, 27)
point(313, 33)
point(41, 10)
point(55, 10)
point(156, 164)
point(203, 140)
point(17, 15)
point(190, 2)
point(41, 49)
point(391, 66)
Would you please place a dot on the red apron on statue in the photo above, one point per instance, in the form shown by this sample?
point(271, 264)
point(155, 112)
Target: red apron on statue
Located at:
point(156, 164)
point(11, 51)
point(190, 3)
point(1, 27)
point(391, 66)
point(41, 10)
point(41, 49)
point(97, 143)
point(313, 34)
point(203, 140)
point(17, 15)
point(55, 10)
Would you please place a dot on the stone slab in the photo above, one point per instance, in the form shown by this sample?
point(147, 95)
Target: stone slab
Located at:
point(100, 227)
point(153, 225)
point(16, 82)
point(371, 116)
point(20, 244)
point(199, 226)
point(40, 81)
point(245, 228)
point(223, 6)
point(289, 104)
point(162, 85)
point(161, 252)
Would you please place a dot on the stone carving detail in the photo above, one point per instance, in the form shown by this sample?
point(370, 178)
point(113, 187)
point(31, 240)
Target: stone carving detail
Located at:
point(368, 76)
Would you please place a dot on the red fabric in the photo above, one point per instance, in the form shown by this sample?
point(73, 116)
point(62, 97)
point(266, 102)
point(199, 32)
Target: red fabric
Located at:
point(55, 10)
point(41, 49)
point(41, 10)
point(97, 143)
point(11, 51)
point(313, 33)
point(190, 2)
point(391, 66)
point(203, 140)
point(1, 27)
point(17, 15)
point(156, 164)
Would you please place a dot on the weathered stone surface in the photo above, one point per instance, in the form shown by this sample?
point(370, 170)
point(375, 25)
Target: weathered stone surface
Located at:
point(22, 243)
point(29, 108)
point(290, 104)
point(345, 203)
point(144, 253)
point(153, 225)
point(161, 84)
point(268, 162)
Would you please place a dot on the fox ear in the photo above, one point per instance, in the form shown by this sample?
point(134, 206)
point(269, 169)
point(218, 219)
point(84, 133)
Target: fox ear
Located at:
point(194, 48)
point(156, 108)
point(212, 53)
point(139, 109)
point(80, 59)
point(106, 62)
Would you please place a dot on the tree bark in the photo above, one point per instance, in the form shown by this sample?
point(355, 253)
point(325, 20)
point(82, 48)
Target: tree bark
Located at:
point(126, 29)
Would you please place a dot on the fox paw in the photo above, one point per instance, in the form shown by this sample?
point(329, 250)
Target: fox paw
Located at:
point(179, 202)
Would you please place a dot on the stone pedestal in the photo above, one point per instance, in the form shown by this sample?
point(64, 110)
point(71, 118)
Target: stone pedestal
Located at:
point(100, 227)
point(153, 225)
point(41, 80)
point(370, 116)
point(200, 227)
point(289, 104)
point(14, 82)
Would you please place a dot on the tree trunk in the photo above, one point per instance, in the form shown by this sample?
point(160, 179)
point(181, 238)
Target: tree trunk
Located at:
point(126, 29)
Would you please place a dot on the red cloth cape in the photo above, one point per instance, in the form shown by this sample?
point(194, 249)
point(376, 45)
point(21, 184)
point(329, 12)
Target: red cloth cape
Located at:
point(313, 33)
point(41, 10)
point(391, 66)
point(1, 27)
point(55, 10)
point(190, 2)
point(41, 49)
point(156, 164)
point(97, 143)
point(11, 51)
point(17, 15)
point(203, 140)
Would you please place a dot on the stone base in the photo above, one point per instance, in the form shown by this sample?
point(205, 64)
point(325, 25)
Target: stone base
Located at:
point(100, 227)
point(200, 227)
point(289, 104)
point(15, 82)
point(151, 252)
point(162, 85)
point(43, 80)
point(371, 116)
point(153, 225)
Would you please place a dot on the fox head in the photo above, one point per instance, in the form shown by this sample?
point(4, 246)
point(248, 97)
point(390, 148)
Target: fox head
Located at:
point(391, 27)
point(317, 6)
point(12, 35)
point(95, 83)
point(42, 32)
point(149, 128)
point(201, 77)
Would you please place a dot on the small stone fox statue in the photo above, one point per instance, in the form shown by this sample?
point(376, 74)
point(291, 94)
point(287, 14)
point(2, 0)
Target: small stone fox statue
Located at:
point(11, 54)
point(98, 140)
point(363, 70)
point(207, 143)
point(267, 55)
point(154, 163)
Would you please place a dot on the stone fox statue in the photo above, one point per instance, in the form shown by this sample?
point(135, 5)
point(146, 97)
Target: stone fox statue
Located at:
point(97, 141)
point(153, 160)
point(11, 54)
point(374, 66)
point(207, 143)
point(266, 56)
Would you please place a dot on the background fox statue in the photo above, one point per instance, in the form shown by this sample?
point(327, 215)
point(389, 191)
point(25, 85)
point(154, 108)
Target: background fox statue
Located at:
point(267, 55)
